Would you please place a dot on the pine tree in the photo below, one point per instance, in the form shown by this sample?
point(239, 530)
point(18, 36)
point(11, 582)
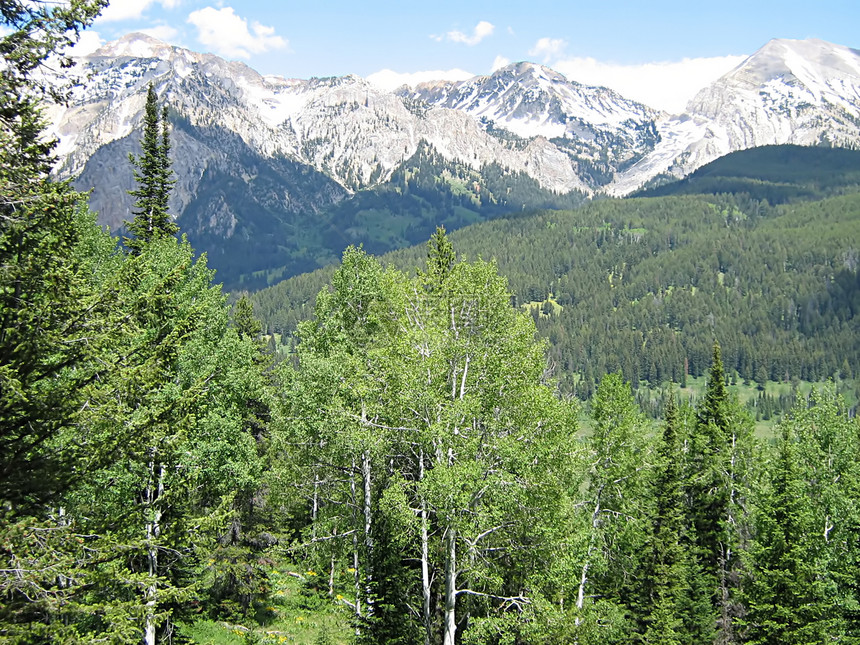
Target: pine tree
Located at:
point(711, 445)
point(721, 448)
point(43, 298)
point(790, 596)
point(247, 326)
point(440, 258)
point(677, 610)
point(154, 178)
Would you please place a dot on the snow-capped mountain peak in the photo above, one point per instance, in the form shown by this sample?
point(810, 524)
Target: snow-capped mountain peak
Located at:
point(811, 62)
point(524, 117)
point(533, 100)
point(803, 92)
point(134, 45)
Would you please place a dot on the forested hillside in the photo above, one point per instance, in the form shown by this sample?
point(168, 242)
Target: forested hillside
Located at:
point(778, 174)
point(644, 285)
point(425, 191)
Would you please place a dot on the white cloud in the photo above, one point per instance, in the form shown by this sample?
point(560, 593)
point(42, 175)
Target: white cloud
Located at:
point(119, 10)
point(499, 62)
point(482, 30)
point(161, 32)
point(88, 42)
point(228, 34)
point(387, 79)
point(548, 49)
point(664, 85)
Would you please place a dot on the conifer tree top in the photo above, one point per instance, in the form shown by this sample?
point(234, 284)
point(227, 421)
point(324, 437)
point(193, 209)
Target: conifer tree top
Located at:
point(154, 179)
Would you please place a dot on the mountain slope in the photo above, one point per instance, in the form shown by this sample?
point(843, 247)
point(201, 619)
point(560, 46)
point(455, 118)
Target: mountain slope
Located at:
point(777, 174)
point(593, 124)
point(644, 285)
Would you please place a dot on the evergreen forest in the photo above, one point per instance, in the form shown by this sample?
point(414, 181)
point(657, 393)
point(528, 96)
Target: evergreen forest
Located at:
point(643, 285)
point(443, 446)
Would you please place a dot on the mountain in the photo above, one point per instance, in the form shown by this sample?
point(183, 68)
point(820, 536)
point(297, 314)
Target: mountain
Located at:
point(344, 127)
point(275, 176)
point(595, 126)
point(790, 91)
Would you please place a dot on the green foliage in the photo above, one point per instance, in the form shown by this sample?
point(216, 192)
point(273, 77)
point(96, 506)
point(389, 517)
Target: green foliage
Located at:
point(422, 394)
point(44, 354)
point(796, 591)
point(170, 410)
point(420, 463)
point(615, 452)
point(676, 608)
point(44, 298)
point(777, 174)
point(440, 258)
point(124, 411)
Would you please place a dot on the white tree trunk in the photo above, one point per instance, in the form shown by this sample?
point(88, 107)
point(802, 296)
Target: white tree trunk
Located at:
point(580, 595)
point(463, 380)
point(450, 586)
point(355, 559)
point(154, 493)
point(426, 618)
point(595, 524)
point(368, 523)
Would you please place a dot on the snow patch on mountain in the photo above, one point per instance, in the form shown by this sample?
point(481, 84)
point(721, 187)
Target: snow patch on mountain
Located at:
point(532, 100)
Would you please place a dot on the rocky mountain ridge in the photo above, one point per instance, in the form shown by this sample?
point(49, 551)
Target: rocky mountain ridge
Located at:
point(294, 149)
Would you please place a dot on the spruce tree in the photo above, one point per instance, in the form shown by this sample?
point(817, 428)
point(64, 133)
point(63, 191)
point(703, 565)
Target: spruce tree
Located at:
point(43, 298)
point(674, 606)
point(790, 596)
point(247, 326)
point(721, 449)
point(154, 177)
point(711, 442)
point(440, 258)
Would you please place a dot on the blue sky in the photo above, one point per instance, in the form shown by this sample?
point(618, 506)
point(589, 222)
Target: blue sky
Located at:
point(636, 47)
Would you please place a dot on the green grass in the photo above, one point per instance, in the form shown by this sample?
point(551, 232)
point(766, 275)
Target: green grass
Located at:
point(694, 391)
point(749, 393)
point(539, 305)
point(297, 613)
